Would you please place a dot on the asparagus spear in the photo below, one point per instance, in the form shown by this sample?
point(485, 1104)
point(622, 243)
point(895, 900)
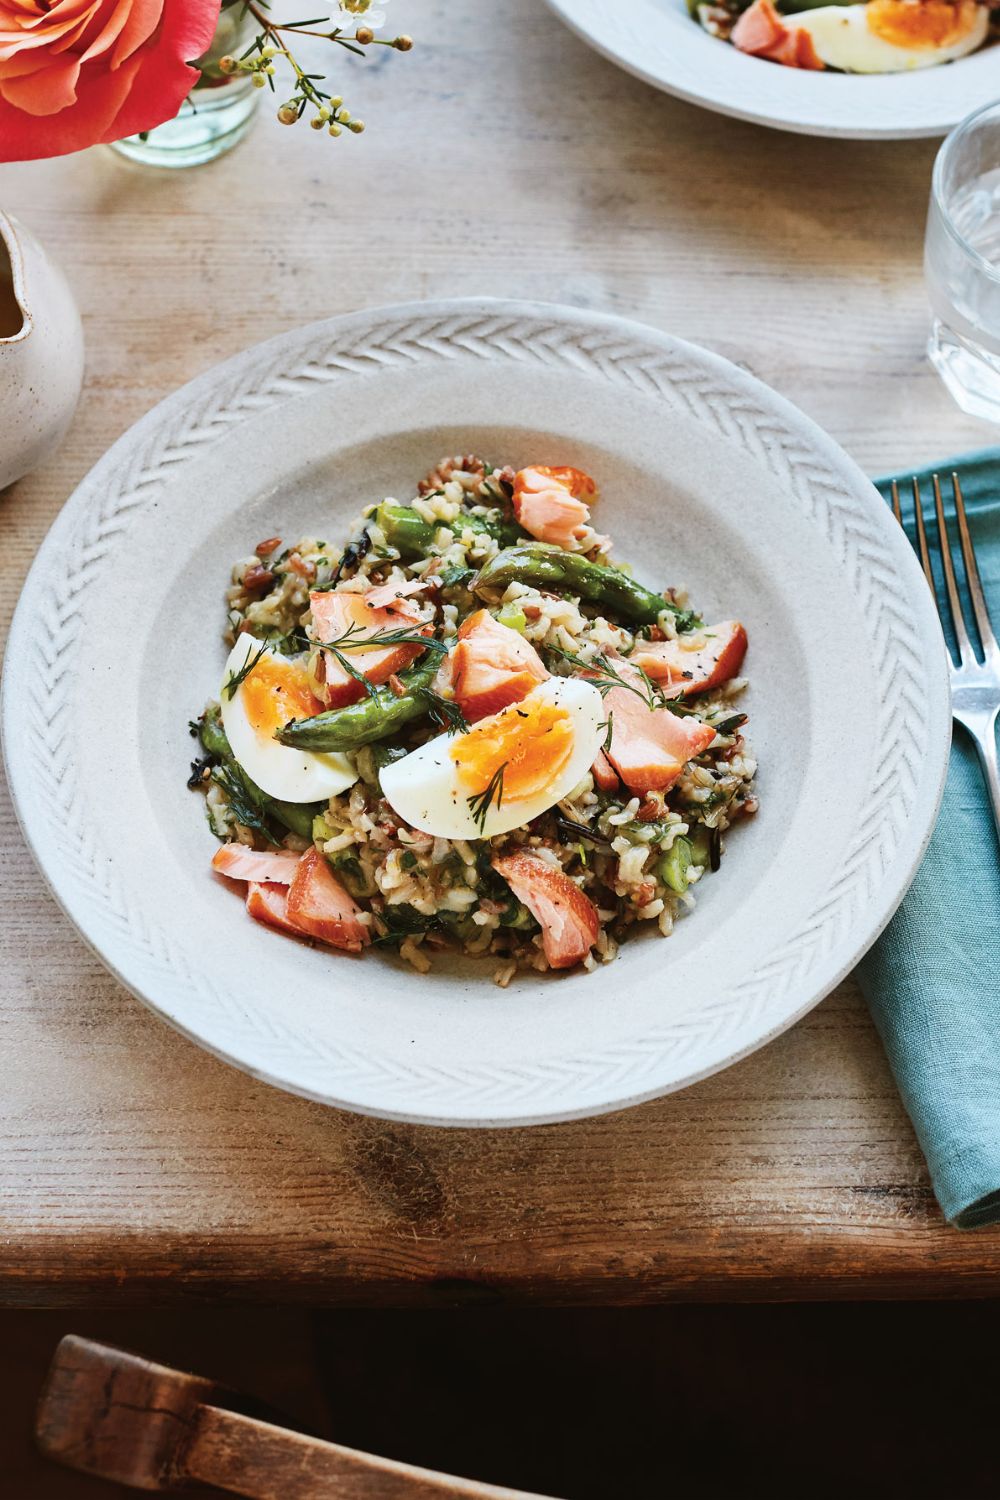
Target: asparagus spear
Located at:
point(297, 817)
point(544, 566)
point(412, 536)
point(372, 718)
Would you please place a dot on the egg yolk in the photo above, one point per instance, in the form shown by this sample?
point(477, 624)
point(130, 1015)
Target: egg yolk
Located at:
point(531, 741)
point(275, 691)
point(921, 23)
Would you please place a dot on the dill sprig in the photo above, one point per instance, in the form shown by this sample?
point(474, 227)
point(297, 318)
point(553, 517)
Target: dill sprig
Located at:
point(237, 679)
point(356, 639)
point(481, 802)
point(445, 713)
point(241, 800)
point(605, 675)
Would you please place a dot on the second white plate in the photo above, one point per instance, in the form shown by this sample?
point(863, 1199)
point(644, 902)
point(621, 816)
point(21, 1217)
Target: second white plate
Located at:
point(659, 42)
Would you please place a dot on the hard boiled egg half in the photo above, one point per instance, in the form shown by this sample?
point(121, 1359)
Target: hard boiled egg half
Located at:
point(271, 692)
point(506, 769)
point(893, 36)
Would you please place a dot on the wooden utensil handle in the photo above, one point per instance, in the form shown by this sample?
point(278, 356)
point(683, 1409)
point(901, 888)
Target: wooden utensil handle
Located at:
point(121, 1417)
point(264, 1462)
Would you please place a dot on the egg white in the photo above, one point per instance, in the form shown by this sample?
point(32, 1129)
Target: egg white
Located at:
point(290, 775)
point(843, 39)
point(425, 790)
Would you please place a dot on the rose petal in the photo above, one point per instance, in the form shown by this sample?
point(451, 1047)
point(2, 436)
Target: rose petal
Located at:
point(141, 21)
point(136, 85)
point(45, 90)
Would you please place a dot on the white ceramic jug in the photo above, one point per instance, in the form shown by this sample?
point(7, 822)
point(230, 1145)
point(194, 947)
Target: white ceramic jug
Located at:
point(41, 352)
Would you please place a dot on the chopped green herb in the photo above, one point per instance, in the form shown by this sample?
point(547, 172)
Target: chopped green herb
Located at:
point(456, 574)
point(236, 679)
point(605, 676)
point(240, 796)
point(356, 638)
point(481, 802)
point(445, 713)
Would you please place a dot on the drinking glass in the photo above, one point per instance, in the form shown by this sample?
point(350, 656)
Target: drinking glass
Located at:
point(962, 263)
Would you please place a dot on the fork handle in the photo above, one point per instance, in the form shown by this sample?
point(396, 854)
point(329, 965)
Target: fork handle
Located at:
point(985, 737)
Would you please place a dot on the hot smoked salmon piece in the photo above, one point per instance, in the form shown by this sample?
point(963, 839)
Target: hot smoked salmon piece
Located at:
point(694, 670)
point(392, 595)
point(567, 917)
point(334, 614)
point(759, 28)
point(491, 666)
point(649, 746)
point(241, 863)
point(552, 504)
point(319, 905)
point(269, 904)
point(761, 31)
point(604, 774)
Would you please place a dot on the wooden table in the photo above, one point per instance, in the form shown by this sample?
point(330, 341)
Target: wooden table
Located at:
point(501, 157)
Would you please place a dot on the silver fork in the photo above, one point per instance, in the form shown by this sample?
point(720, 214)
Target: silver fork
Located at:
point(975, 684)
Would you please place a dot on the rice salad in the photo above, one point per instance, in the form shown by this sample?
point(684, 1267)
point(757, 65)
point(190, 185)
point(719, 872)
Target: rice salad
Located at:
point(471, 729)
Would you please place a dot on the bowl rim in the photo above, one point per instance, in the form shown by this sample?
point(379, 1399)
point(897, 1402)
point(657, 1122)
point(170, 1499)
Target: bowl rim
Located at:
point(485, 313)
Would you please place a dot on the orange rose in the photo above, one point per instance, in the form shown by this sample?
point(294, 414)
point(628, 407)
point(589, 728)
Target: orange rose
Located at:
point(77, 72)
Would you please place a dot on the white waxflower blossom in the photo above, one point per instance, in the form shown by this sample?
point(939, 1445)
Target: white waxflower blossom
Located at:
point(363, 13)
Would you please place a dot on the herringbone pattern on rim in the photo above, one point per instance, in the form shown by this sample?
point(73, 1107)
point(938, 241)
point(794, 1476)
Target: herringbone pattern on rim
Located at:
point(684, 380)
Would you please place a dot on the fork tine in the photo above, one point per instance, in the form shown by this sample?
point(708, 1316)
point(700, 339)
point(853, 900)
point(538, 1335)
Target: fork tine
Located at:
point(925, 557)
point(895, 503)
point(965, 650)
point(972, 573)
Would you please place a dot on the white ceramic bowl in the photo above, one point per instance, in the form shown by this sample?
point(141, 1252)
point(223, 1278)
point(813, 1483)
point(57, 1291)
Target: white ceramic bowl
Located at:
point(708, 479)
point(659, 42)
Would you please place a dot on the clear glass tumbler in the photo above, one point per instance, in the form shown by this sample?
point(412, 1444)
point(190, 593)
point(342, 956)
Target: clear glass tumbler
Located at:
point(962, 263)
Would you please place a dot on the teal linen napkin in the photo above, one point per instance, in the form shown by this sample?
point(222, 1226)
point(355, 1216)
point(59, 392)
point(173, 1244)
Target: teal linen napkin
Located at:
point(932, 980)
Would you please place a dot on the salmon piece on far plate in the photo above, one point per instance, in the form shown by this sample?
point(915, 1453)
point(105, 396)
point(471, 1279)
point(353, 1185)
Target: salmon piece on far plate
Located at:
point(334, 614)
point(490, 667)
point(649, 746)
point(241, 863)
point(759, 28)
point(798, 50)
point(761, 31)
point(552, 504)
point(567, 917)
point(319, 905)
point(694, 669)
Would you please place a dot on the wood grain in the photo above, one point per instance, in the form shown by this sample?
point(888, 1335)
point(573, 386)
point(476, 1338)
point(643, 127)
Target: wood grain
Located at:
point(501, 157)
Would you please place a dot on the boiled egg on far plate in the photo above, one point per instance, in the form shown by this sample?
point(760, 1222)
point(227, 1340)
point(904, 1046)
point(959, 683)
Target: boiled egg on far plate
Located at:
point(893, 36)
point(544, 746)
point(274, 691)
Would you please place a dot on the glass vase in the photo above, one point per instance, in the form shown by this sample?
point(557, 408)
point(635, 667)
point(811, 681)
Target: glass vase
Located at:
point(217, 113)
